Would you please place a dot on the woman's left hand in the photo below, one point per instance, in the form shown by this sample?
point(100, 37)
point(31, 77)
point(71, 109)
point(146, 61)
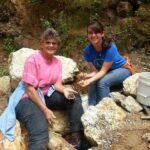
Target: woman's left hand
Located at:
point(86, 83)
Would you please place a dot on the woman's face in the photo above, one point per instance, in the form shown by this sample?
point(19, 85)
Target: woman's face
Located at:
point(49, 47)
point(93, 37)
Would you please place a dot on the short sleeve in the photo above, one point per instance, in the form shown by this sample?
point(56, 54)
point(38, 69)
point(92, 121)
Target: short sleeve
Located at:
point(86, 54)
point(30, 72)
point(59, 79)
point(111, 53)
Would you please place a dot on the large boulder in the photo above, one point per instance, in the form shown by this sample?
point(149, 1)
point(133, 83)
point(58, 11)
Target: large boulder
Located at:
point(69, 69)
point(60, 124)
point(130, 85)
point(101, 122)
point(128, 103)
point(17, 60)
point(16, 64)
point(57, 142)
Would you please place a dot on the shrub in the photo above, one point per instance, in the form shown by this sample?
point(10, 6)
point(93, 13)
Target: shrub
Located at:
point(58, 22)
point(3, 72)
point(10, 45)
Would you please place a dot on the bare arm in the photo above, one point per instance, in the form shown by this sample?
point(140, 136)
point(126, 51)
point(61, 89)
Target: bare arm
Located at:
point(59, 87)
point(92, 69)
point(83, 75)
point(33, 95)
point(106, 66)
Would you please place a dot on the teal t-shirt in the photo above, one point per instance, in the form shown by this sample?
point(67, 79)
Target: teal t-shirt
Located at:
point(109, 55)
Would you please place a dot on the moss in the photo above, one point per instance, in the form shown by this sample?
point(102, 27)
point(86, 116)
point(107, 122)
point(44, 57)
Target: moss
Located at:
point(4, 72)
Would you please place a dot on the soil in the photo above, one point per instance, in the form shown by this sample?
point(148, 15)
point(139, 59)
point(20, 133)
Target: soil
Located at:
point(3, 57)
point(131, 136)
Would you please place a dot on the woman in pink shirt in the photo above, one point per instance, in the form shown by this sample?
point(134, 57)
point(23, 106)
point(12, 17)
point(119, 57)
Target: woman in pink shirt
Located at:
point(43, 70)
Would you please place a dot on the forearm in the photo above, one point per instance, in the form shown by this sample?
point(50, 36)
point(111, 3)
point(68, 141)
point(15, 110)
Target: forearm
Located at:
point(97, 76)
point(59, 87)
point(91, 74)
point(92, 70)
point(106, 66)
point(33, 95)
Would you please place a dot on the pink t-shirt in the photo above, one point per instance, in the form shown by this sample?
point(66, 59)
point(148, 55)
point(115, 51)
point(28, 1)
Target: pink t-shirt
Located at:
point(42, 73)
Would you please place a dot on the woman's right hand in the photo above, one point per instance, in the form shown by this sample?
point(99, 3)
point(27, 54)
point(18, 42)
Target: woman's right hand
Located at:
point(49, 115)
point(69, 93)
point(82, 75)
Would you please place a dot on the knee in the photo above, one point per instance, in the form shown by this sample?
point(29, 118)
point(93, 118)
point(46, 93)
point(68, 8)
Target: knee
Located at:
point(103, 83)
point(78, 99)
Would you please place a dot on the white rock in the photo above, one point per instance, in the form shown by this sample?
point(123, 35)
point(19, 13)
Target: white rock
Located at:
point(56, 142)
point(130, 84)
point(131, 105)
point(117, 97)
point(101, 120)
point(5, 85)
point(69, 69)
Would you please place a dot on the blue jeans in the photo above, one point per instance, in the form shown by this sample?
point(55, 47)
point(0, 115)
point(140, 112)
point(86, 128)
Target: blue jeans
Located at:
point(29, 114)
point(101, 88)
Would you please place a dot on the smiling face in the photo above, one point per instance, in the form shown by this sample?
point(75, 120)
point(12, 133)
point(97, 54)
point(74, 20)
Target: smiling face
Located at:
point(94, 37)
point(49, 48)
point(50, 41)
point(95, 34)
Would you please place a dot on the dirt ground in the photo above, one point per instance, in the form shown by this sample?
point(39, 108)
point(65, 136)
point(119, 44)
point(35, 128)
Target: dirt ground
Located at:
point(3, 57)
point(131, 136)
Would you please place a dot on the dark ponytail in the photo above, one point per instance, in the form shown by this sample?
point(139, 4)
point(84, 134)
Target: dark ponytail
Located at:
point(97, 27)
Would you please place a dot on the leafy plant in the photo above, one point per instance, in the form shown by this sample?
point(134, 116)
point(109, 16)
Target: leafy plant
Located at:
point(3, 72)
point(58, 22)
point(46, 23)
point(96, 7)
point(10, 45)
point(74, 43)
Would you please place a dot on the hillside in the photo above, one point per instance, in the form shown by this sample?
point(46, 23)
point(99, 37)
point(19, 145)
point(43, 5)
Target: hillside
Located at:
point(127, 21)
